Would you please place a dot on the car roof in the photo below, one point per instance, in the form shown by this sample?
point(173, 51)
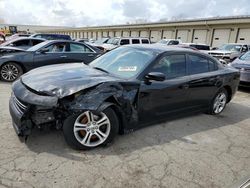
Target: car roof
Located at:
point(157, 47)
point(23, 38)
point(11, 48)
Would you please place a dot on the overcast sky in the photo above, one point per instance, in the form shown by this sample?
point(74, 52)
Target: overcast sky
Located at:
point(109, 12)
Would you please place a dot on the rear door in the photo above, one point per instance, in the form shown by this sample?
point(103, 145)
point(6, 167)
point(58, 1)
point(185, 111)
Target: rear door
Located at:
point(55, 54)
point(80, 53)
point(204, 80)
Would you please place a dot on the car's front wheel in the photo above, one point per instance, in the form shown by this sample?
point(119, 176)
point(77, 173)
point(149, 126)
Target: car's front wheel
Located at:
point(219, 102)
point(90, 129)
point(9, 72)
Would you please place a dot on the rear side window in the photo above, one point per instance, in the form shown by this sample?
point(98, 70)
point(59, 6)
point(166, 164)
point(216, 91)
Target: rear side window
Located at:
point(135, 41)
point(145, 41)
point(21, 43)
point(172, 66)
point(77, 48)
point(124, 41)
point(197, 64)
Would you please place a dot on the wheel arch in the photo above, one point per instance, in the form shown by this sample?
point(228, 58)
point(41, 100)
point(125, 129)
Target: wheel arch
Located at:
point(229, 92)
point(113, 103)
point(18, 63)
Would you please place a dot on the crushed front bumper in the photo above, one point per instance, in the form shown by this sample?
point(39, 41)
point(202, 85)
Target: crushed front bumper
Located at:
point(28, 109)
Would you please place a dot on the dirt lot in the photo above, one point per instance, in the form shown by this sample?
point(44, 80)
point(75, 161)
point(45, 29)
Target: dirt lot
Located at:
point(197, 151)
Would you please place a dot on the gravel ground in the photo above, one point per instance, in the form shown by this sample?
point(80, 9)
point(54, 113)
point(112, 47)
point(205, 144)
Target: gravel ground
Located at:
point(195, 151)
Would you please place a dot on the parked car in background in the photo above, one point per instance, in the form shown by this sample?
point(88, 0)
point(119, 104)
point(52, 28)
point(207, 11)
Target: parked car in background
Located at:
point(85, 40)
point(229, 52)
point(243, 64)
point(8, 49)
point(184, 46)
point(51, 36)
point(130, 87)
point(120, 41)
point(200, 47)
point(2, 37)
point(170, 41)
point(99, 42)
point(12, 66)
point(17, 35)
point(22, 42)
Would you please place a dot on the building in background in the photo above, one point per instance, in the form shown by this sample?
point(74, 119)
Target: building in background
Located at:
point(210, 31)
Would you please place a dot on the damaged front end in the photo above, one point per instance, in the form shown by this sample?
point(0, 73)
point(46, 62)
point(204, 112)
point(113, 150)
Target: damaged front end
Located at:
point(29, 108)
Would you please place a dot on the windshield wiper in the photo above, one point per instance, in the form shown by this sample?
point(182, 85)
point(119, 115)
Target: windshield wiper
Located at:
point(103, 70)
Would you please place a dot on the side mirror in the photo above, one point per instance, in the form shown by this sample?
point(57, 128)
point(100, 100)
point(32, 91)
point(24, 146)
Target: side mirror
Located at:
point(44, 50)
point(157, 76)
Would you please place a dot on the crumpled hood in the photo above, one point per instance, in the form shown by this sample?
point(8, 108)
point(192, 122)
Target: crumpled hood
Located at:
point(64, 79)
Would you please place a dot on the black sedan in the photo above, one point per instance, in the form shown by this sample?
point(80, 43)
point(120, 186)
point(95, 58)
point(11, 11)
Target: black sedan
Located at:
point(12, 66)
point(120, 91)
point(243, 64)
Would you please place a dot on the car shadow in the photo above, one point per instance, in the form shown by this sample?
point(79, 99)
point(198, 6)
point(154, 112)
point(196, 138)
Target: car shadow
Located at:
point(52, 141)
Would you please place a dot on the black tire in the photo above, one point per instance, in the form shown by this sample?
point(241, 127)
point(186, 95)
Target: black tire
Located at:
point(71, 140)
point(18, 68)
point(211, 107)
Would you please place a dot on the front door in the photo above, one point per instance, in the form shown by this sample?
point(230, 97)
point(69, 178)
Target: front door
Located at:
point(158, 98)
point(55, 55)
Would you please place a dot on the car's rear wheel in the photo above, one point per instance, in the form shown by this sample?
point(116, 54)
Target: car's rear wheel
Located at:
point(9, 72)
point(90, 129)
point(219, 102)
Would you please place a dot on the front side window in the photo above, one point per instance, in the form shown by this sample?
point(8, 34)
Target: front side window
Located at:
point(79, 48)
point(124, 62)
point(171, 65)
point(198, 64)
point(57, 48)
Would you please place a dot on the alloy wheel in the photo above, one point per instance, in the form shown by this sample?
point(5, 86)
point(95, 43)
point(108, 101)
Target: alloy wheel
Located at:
point(219, 103)
point(9, 72)
point(90, 129)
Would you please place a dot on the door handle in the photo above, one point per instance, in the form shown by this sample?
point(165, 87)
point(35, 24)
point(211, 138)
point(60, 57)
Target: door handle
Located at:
point(63, 56)
point(91, 55)
point(184, 86)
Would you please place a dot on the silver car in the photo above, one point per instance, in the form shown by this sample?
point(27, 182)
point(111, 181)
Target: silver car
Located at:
point(243, 64)
point(229, 52)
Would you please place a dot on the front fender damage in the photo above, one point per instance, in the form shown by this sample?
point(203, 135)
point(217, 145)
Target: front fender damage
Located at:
point(52, 110)
point(124, 97)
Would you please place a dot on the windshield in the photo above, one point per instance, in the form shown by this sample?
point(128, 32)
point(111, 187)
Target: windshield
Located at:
point(100, 41)
point(245, 56)
point(230, 47)
point(125, 62)
point(112, 41)
point(38, 46)
point(163, 41)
